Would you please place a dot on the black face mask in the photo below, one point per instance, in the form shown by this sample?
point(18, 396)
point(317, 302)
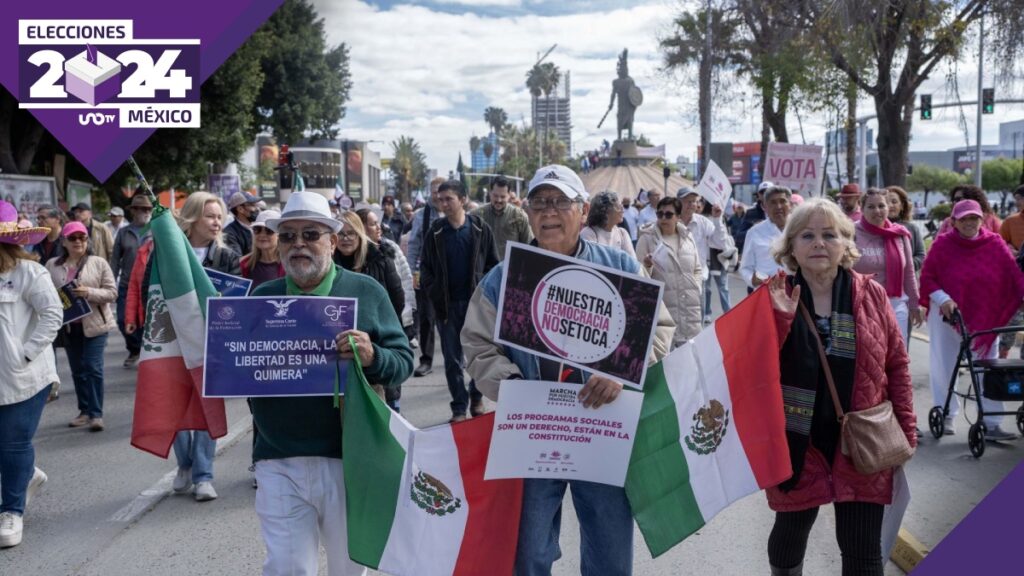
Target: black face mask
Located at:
point(253, 213)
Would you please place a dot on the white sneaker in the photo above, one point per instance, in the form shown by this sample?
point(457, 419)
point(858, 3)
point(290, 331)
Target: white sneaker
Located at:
point(205, 492)
point(38, 479)
point(414, 343)
point(948, 428)
point(182, 481)
point(10, 529)
point(997, 434)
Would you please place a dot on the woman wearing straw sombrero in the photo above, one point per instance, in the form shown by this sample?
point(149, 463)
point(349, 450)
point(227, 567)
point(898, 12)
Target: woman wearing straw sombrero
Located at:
point(30, 315)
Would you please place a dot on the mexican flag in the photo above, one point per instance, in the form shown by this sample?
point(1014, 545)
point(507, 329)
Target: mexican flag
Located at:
point(416, 500)
point(168, 395)
point(711, 428)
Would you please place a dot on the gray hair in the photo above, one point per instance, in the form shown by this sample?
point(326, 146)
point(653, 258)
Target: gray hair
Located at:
point(600, 205)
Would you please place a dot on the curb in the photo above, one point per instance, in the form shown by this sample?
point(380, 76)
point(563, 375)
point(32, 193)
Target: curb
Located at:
point(150, 497)
point(908, 551)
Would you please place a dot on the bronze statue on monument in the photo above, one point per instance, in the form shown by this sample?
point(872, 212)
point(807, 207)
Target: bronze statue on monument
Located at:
point(630, 98)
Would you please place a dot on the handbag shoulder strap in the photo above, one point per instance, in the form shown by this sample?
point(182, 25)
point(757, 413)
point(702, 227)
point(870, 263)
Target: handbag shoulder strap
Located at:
point(824, 360)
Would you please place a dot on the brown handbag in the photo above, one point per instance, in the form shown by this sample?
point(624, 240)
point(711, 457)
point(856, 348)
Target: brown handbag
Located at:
point(872, 438)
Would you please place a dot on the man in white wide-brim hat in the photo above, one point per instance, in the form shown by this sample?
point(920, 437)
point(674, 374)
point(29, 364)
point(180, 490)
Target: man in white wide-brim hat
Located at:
point(301, 497)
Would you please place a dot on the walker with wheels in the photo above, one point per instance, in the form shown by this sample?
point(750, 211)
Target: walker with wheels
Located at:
point(1003, 380)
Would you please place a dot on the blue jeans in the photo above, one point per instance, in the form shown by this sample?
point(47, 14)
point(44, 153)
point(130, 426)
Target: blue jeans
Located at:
point(606, 528)
point(454, 361)
point(85, 358)
point(722, 281)
point(18, 423)
point(195, 449)
point(133, 341)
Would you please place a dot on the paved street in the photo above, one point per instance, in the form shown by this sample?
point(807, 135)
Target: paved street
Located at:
point(105, 510)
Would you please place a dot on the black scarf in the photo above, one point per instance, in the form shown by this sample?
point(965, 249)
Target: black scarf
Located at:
point(810, 414)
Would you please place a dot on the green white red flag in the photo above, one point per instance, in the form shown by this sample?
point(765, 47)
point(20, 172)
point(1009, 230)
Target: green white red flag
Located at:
point(711, 428)
point(416, 500)
point(168, 395)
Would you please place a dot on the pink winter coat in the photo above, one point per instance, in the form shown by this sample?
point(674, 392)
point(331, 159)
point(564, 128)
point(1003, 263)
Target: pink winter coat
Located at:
point(882, 372)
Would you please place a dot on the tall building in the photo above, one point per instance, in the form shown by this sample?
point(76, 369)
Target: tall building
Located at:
point(480, 161)
point(554, 113)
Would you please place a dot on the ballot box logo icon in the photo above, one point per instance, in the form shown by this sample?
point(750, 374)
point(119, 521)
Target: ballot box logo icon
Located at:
point(92, 76)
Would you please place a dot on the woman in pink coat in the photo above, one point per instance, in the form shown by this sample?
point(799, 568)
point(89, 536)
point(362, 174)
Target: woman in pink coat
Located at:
point(869, 364)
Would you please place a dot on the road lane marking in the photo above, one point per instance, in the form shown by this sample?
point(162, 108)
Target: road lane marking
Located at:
point(150, 497)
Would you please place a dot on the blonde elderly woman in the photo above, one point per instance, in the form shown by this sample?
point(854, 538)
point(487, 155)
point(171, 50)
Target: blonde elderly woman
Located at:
point(603, 219)
point(202, 220)
point(30, 315)
point(668, 253)
point(869, 364)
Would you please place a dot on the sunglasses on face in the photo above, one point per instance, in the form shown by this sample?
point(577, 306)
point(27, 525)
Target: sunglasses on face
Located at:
point(666, 215)
point(307, 236)
point(77, 238)
point(263, 230)
point(347, 236)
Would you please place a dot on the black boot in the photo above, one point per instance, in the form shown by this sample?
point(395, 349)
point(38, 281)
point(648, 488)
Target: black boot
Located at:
point(797, 570)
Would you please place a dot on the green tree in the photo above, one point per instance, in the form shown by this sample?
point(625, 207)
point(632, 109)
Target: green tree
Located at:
point(1001, 175)
point(687, 47)
point(474, 144)
point(496, 118)
point(520, 147)
point(409, 167)
point(307, 82)
point(930, 179)
point(902, 41)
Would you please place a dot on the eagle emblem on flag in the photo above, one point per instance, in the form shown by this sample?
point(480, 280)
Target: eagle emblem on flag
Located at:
point(710, 425)
point(431, 495)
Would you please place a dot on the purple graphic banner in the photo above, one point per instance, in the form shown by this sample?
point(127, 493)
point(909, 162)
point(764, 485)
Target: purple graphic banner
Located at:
point(106, 74)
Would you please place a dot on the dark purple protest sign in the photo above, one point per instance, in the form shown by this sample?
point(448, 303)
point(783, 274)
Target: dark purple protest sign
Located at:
point(101, 76)
point(577, 313)
point(281, 346)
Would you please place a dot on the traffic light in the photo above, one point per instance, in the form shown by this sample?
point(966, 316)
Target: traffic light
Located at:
point(988, 101)
point(926, 106)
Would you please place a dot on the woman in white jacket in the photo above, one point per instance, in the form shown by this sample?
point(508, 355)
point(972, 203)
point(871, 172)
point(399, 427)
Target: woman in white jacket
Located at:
point(30, 315)
point(668, 253)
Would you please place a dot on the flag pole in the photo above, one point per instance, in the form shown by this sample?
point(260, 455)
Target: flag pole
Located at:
point(158, 209)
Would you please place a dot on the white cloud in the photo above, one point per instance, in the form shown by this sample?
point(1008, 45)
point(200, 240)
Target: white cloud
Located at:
point(429, 75)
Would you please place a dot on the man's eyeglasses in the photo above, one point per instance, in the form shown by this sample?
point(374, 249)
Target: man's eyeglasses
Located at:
point(307, 236)
point(666, 215)
point(263, 230)
point(562, 204)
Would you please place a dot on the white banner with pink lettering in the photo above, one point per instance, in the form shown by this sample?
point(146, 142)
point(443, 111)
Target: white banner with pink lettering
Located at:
point(795, 166)
point(542, 430)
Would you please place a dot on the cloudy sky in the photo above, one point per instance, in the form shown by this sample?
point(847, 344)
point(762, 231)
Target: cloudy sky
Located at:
point(429, 68)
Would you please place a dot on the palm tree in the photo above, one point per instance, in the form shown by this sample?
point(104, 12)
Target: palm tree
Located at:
point(496, 118)
point(409, 166)
point(552, 76)
point(474, 144)
point(535, 82)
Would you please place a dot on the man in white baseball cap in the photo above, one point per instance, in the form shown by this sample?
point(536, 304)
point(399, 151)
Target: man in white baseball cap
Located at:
point(555, 205)
point(297, 449)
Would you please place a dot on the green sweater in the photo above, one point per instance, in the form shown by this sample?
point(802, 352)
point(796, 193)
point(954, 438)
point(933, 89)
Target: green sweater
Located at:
point(311, 425)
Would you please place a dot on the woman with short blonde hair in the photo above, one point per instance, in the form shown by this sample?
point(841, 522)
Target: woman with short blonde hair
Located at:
point(828, 305)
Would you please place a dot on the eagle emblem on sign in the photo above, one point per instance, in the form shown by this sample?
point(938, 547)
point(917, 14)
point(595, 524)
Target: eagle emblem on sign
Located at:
point(432, 496)
point(710, 425)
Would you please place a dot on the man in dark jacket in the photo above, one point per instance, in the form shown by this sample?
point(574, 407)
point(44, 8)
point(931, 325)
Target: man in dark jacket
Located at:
point(391, 221)
point(754, 215)
point(238, 234)
point(458, 251)
point(126, 247)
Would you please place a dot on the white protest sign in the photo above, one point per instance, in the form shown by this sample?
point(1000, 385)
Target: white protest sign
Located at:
point(541, 430)
point(714, 185)
point(795, 166)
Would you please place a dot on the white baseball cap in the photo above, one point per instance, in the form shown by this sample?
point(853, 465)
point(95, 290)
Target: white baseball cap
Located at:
point(261, 220)
point(764, 185)
point(559, 177)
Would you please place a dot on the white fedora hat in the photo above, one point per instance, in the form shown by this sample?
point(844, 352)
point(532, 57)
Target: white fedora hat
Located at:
point(306, 206)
